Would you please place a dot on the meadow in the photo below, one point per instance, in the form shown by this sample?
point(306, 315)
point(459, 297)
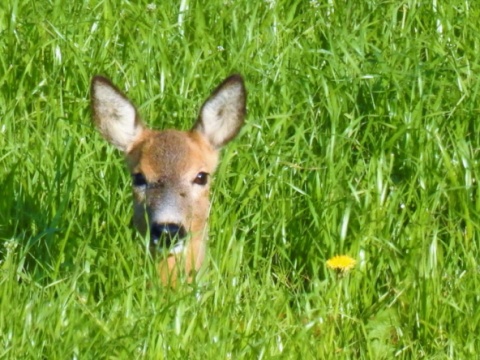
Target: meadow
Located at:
point(361, 139)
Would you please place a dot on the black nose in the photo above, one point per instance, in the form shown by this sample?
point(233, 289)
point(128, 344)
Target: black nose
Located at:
point(165, 235)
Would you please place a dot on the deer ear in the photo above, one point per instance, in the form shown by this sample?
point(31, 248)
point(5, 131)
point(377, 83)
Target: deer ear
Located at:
point(223, 114)
point(115, 116)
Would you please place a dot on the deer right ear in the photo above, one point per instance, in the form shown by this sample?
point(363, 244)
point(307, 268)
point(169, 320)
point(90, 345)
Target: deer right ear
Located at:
point(115, 116)
point(223, 114)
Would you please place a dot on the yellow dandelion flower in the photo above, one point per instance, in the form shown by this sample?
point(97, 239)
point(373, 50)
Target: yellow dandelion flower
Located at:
point(341, 263)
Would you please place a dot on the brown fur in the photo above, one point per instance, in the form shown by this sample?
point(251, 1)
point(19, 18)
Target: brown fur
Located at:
point(170, 161)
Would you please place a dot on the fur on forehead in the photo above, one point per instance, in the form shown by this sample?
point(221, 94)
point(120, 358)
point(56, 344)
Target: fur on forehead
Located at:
point(170, 153)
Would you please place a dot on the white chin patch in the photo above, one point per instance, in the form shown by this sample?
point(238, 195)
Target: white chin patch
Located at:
point(177, 249)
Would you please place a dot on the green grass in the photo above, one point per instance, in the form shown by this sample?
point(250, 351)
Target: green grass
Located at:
point(362, 138)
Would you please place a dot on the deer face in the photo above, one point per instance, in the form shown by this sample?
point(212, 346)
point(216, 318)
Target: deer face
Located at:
point(171, 170)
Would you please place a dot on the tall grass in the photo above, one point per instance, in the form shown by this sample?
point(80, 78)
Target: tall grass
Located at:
point(362, 139)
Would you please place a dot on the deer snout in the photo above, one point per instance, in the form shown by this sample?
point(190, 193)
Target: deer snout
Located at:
point(167, 236)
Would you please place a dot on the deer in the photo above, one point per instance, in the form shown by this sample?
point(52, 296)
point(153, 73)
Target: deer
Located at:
point(171, 170)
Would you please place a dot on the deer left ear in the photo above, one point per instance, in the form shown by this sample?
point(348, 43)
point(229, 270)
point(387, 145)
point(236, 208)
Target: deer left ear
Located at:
point(223, 114)
point(115, 116)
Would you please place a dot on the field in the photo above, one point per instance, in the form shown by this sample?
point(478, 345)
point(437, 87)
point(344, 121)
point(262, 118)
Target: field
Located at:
point(361, 139)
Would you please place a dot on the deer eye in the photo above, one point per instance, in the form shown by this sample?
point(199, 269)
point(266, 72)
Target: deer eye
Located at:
point(139, 180)
point(201, 178)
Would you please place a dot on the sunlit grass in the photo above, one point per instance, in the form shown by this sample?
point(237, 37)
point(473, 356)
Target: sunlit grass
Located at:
point(362, 138)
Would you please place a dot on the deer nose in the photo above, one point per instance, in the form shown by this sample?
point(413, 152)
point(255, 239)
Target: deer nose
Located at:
point(165, 235)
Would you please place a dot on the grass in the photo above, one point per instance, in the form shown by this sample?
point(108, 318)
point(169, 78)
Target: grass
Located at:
point(362, 139)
